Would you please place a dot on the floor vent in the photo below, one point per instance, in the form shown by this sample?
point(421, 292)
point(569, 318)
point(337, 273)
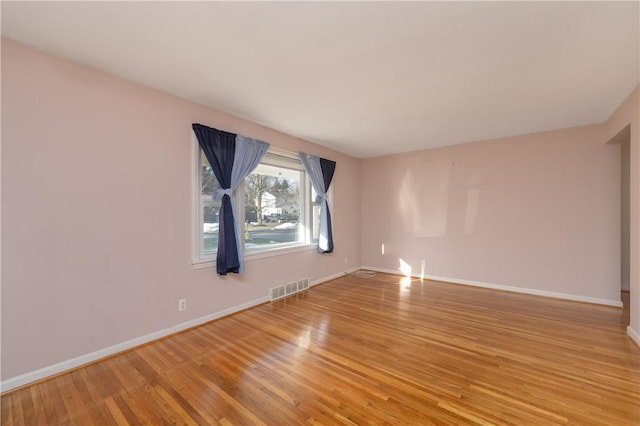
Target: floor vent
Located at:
point(303, 284)
point(289, 288)
point(277, 292)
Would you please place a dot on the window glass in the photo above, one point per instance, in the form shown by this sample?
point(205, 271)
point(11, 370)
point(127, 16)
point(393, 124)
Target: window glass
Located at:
point(274, 209)
point(315, 216)
point(209, 208)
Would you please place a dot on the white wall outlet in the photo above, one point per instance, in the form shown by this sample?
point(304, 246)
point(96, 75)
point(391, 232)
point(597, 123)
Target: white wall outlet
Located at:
point(182, 305)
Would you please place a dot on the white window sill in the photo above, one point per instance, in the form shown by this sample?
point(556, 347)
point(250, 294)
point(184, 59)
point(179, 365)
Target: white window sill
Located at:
point(257, 254)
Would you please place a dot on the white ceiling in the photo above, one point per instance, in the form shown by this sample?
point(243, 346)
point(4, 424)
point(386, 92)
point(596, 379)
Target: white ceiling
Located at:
point(365, 78)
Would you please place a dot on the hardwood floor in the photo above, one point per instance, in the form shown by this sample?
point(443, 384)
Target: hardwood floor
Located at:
point(379, 350)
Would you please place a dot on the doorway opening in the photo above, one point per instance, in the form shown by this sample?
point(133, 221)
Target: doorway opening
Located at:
point(624, 139)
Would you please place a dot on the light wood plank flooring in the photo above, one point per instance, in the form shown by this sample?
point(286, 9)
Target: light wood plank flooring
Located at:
point(380, 350)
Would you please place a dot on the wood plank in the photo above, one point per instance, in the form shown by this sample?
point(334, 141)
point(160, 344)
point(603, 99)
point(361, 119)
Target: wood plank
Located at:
point(6, 410)
point(378, 350)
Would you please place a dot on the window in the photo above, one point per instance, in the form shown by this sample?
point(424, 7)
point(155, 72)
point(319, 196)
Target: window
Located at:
point(273, 206)
point(208, 208)
point(315, 215)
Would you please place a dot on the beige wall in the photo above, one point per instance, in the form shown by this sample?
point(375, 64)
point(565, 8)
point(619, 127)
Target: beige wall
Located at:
point(628, 114)
point(538, 212)
point(96, 213)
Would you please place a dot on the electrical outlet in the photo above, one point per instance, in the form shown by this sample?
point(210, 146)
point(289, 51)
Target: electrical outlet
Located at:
point(182, 305)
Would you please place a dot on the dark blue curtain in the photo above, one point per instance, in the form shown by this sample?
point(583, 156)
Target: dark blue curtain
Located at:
point(328, 167)
point(219, 147)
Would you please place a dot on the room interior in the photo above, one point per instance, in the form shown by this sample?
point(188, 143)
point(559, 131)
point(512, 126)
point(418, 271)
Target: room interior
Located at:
point(529, 183)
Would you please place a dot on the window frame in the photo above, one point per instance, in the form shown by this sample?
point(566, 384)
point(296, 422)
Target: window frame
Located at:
point(202, 260)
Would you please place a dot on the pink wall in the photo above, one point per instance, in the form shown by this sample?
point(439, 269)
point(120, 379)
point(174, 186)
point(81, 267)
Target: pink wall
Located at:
point(629, 114)
point(96, 213)
point(537, 212)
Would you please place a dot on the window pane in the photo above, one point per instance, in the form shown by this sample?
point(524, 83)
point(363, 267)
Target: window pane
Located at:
point(273, 206)
point(315, 216)
point(209, 208)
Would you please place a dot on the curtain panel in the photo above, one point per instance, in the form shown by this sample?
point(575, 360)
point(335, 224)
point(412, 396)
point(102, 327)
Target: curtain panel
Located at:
point(320, 173)
point(232, 158)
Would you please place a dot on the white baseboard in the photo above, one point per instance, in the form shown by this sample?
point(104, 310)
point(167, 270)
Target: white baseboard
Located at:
point(572, 297)
point(70, 364)
point(634, 335)
point(76, 362)
point(43, 373)
point(333, 276)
